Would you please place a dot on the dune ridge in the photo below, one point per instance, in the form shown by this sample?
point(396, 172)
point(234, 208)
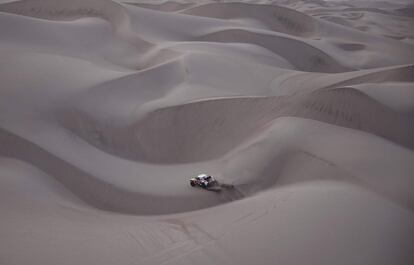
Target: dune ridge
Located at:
point(277, 18)
point(105, 196)
point(147, 54)
point(169, 135)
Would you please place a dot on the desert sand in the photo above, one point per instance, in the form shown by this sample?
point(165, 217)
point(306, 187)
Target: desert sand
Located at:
point(108, 108)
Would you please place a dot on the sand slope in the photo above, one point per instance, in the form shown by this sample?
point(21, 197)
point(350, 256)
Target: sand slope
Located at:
point(107, 108)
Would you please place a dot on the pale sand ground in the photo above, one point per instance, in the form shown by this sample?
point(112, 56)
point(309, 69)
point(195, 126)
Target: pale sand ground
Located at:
point(108, 108)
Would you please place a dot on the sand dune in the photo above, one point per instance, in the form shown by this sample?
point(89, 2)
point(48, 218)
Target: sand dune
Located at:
point(304, 108)
point(276, 18)
point(214, 127)
point(98, 193)
point(146, 53)
point(166, 6)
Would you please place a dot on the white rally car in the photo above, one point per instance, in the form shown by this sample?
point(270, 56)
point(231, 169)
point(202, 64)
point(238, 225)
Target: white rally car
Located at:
point(204, 181)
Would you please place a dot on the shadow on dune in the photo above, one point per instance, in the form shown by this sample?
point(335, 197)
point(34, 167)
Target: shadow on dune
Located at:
point(303, 56)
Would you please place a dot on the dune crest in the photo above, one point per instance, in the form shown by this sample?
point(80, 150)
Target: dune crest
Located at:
point(277, 18)
point(148, 54)
point(214, 127)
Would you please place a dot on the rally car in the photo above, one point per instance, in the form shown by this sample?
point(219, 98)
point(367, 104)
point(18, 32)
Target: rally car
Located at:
point(204, 181)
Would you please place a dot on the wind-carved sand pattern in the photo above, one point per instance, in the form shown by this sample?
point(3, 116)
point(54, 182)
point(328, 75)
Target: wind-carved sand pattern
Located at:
point(303, 111)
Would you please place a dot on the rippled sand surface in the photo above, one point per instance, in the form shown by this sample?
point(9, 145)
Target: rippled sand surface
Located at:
point(108, 108)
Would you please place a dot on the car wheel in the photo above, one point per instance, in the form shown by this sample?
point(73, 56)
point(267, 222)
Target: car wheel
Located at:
point(192, 183)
